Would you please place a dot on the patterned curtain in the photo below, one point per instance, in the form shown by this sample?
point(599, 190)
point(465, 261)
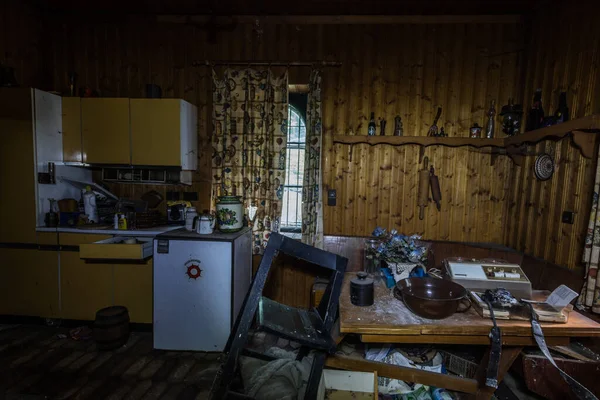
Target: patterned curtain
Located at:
point(250, 111)
point(312, 205)
point(590, 293)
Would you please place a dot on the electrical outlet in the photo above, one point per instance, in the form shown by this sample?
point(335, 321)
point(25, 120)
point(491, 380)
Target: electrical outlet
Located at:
point(568, 217)
point(331, 197)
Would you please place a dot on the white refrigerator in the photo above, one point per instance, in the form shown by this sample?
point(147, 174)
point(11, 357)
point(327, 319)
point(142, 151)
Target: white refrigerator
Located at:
point(200, 282)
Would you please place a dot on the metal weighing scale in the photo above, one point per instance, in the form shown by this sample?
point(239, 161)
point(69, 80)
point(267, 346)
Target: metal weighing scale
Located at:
point(478, 276)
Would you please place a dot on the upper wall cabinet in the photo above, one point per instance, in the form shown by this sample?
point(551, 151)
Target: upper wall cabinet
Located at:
point(71, 129)
point(164, 133)
point(105, 131)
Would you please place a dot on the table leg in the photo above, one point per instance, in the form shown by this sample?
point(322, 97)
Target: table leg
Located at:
point(509, 354)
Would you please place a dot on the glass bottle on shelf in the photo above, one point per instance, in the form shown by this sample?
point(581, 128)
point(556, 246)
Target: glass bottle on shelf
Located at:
point(491, 122)
point(371, 263)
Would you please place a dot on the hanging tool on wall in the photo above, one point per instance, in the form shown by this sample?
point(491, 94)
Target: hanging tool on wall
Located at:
point(423, 197)
point(436, 193)
point(433, 129)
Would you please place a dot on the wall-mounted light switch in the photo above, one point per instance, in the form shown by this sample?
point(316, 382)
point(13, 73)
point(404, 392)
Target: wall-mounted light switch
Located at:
point(331, 197)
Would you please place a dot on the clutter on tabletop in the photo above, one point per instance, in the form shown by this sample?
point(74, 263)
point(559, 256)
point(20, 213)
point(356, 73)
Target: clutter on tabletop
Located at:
point(397, 248)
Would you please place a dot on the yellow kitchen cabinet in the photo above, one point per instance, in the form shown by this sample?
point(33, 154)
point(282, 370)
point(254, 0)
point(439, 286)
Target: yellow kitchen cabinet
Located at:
point(29, 282)
point(47, 238)
point(164, 132)
point(17, 167)
point(71, 129)
point(84, 287)
point(105, 131)
point(133, 289)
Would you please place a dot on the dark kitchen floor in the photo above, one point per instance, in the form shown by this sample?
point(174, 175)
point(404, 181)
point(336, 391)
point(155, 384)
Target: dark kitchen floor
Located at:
point(35, 363)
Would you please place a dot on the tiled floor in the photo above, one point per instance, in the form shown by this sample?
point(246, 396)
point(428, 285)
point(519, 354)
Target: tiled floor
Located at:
point(35, 363)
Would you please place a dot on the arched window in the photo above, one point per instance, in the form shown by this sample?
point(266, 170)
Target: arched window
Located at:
point(291, 215)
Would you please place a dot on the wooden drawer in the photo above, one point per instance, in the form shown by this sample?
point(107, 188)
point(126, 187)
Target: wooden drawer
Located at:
point(116, 249)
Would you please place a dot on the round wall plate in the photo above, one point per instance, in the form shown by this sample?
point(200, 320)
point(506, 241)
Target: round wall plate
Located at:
point(544, 167)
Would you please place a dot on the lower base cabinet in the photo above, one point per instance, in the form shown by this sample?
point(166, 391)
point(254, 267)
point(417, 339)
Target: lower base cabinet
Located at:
point(29, 283)
point(133, 289)
point(59, 284)
point(84, 287)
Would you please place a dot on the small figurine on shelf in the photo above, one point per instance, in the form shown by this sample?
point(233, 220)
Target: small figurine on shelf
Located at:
point(491, 123)
point(442, 133)
point(475, 131)
point(511, 118)
point(372, 126)
point(382, 123)
point(398, 129)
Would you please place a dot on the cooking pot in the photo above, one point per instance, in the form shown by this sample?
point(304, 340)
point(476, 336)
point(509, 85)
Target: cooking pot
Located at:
point(432, 298)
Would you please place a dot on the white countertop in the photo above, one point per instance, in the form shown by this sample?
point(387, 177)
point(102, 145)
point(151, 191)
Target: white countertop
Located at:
point(137, 232)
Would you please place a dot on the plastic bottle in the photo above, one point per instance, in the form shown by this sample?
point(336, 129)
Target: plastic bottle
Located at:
point(89, 205)
point(116, 221)
point(122, 222)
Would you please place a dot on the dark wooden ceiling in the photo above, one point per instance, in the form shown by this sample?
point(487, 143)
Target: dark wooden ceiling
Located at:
point(291, 7)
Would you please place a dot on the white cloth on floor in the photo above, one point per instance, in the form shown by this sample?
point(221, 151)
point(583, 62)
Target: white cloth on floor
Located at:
point(281, 379)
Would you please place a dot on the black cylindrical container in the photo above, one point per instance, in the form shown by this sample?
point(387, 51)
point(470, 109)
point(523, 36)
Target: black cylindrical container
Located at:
point(361, 290)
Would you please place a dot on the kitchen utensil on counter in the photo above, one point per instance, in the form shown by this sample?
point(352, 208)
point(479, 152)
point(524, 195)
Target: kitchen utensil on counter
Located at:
point(68, 205)
point(229, 213)
point(362, 290)
point(89, 203)
point(430, 297)
point(423, 198)
point(436, 193)
point(190, 218)
point(176, 211)
point(68, 218)
point(152, 198)
point(544, 167)
point(433, 129)
point(51, 217)
point(204, 224)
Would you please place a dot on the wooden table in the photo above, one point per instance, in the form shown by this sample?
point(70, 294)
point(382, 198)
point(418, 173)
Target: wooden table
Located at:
point(389, 321)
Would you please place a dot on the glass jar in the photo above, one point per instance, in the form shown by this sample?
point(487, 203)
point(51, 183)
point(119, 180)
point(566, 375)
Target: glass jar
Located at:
point(371, 264)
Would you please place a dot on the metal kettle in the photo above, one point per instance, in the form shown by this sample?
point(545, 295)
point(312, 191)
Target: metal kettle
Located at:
point(204, 224)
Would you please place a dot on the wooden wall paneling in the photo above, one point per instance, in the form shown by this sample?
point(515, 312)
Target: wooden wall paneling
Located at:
point(435, 65)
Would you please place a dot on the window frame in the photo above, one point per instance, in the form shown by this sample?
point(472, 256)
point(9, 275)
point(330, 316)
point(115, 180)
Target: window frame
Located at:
point(300, 145)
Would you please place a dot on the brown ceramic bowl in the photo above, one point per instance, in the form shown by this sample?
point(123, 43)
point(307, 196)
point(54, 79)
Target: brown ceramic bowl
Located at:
point(431, 298)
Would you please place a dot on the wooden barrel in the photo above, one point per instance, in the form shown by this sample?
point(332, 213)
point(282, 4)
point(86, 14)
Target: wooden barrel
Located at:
point(111, 327)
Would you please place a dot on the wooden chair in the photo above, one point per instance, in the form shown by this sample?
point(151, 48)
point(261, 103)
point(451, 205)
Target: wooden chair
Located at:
point(310, 328)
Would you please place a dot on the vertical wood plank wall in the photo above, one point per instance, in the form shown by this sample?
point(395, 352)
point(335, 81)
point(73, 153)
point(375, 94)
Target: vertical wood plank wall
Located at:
point(407, 70)
point(563, 55)
point(20, 41)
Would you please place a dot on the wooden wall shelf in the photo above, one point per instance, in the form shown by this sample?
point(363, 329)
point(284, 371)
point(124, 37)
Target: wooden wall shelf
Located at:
point(583, 132)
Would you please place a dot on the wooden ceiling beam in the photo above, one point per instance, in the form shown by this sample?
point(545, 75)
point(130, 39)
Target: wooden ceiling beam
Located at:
point(342, 19)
